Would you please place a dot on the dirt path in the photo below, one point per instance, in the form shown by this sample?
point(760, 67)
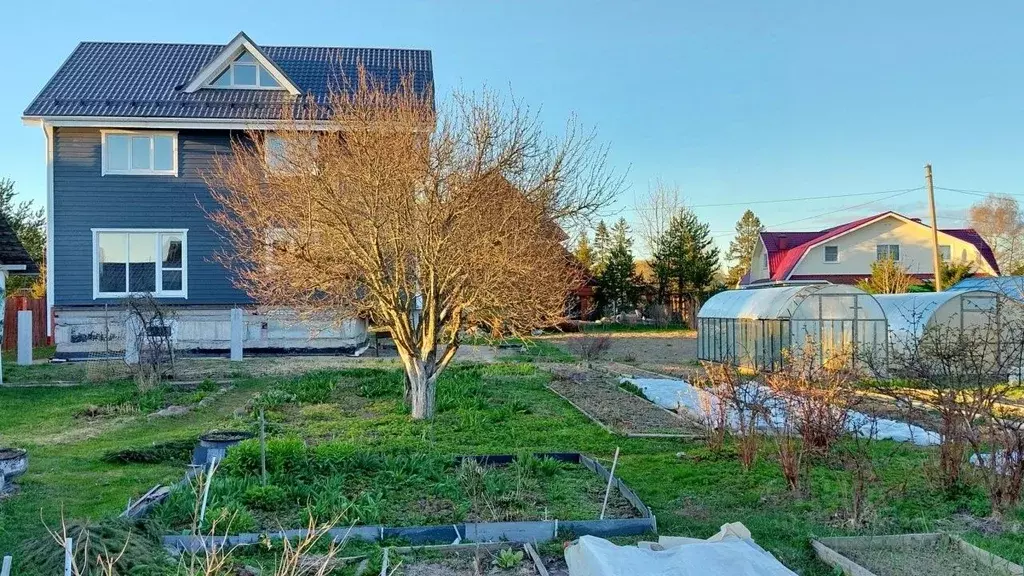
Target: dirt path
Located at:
point(598, 395)
point(671, 352)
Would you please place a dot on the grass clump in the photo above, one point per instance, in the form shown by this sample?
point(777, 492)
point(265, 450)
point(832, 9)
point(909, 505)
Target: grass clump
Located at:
point(169, 452)
point(633, 389)
point(143, 553)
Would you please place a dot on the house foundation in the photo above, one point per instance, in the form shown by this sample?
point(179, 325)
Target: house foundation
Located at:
point(82, 333)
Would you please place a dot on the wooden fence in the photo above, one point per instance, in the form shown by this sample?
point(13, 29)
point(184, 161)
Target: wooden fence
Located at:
point(38, 308)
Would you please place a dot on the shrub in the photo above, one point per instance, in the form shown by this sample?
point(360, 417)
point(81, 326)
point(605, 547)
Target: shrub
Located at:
point(232, 518)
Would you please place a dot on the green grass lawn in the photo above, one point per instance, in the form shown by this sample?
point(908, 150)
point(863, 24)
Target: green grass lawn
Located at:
point(503, 408)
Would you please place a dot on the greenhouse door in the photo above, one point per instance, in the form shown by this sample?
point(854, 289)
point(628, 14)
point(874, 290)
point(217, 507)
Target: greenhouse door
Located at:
point(830, 331)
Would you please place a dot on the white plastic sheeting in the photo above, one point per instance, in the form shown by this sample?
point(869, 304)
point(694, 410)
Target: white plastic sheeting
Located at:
point(680, 394)
point(724, 553)
point(753, 327)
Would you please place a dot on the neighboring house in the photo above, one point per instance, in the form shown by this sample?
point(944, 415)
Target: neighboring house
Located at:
point(130, 129)
point(14, 259)
point(843, 254)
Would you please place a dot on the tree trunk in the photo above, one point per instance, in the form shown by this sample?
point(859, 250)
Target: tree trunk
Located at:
point(423, 392)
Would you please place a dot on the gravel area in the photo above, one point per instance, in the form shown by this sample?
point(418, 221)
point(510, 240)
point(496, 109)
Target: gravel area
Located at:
point(598, 395)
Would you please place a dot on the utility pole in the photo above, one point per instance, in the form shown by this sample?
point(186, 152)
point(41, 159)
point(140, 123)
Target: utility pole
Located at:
point(936, 259)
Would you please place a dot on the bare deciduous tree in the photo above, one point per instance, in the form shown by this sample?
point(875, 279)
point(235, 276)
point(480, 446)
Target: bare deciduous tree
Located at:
point(427, 220)
point(999, 221)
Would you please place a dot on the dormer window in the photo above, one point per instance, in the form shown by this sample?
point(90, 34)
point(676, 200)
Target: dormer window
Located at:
point(245, 72)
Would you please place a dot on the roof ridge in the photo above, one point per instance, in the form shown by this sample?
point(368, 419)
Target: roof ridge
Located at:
point(261, 46)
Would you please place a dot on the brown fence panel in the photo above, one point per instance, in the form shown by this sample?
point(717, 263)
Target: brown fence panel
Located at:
point(38, 308)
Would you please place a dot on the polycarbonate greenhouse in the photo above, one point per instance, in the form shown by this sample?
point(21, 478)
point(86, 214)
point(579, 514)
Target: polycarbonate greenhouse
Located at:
point(751, 328)
point(989, 322)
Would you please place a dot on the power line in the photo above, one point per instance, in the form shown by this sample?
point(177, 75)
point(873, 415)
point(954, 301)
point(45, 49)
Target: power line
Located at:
point(977, 192)
point(781, 200)
point(837, 210)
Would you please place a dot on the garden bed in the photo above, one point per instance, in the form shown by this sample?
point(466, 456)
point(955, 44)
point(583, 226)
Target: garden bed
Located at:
point(910, 555)
point(418, 498)
point(469, 560)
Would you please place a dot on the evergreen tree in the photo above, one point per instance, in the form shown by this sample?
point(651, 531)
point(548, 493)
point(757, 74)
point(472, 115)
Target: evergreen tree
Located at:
point(602, 247)
point(741, 248)
point(688, 255)
point(617, 283)
point(584, 253)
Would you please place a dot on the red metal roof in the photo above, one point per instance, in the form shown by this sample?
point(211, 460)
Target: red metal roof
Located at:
point(786, 248)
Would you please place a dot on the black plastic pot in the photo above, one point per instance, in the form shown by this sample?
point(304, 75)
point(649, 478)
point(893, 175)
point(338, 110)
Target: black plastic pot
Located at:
point(215, 444)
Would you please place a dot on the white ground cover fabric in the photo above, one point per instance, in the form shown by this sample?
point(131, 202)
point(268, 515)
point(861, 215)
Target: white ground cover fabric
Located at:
point(679, 394)
point(731, 552)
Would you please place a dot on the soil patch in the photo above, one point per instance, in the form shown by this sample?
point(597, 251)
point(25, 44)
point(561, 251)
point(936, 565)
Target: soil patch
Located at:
point(599, 395)
point(671, 352)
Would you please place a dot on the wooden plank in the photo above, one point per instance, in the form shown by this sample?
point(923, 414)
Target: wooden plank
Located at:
point(837, 560)
point(537, 562)
point(989, 559)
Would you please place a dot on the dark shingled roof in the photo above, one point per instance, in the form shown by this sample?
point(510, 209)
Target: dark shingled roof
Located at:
point(143, 80)
point(12, 252)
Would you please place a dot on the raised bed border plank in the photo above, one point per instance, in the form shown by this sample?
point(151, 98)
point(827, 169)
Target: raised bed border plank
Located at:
point(823, 548)
point(478, 532)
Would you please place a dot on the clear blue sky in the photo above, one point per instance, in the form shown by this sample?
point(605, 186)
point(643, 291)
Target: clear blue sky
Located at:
point(733, 101)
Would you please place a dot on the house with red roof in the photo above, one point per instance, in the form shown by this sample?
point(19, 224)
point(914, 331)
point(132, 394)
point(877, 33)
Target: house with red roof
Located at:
point(843, 254)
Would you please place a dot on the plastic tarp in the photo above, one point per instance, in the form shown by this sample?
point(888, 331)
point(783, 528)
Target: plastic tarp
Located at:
point(680, 394)
point(731, 552)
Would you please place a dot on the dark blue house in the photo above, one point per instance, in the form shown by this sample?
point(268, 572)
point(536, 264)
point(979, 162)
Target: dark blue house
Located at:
point(130, 129)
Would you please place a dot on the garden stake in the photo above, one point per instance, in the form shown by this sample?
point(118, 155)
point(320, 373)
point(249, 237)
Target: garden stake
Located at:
point(206, 489)
point(67, 557)
point(611, 475)
point(6, 569)
point(263, 448)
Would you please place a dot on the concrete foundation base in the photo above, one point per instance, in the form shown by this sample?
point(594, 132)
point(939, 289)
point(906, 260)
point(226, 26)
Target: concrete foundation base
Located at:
point(99, 332)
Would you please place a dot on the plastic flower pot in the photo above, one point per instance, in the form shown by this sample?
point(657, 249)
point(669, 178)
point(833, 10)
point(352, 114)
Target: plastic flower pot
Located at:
point(13, 463)
point(215, 444)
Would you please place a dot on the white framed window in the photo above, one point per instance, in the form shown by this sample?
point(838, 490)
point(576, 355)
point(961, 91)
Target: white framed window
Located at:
point(147, 153)
point(887, 251)
point(764, 260)
point(140, 261)
point(246, 73)
point(831, 254)
point(945, 252)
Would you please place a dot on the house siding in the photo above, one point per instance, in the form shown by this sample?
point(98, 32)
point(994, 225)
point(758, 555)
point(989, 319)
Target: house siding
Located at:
point(84, 199)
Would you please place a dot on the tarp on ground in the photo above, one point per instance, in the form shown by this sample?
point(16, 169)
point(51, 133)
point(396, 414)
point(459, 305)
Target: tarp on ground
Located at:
point(731, 552)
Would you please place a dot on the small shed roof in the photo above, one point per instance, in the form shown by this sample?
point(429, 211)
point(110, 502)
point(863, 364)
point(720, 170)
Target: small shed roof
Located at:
point(12, 252)
point(768, 303)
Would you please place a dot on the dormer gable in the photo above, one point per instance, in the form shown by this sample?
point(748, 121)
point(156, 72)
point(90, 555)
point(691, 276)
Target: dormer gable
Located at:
point(241, 65)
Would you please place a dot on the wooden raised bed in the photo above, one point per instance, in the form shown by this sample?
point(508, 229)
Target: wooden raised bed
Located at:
point(935, 554)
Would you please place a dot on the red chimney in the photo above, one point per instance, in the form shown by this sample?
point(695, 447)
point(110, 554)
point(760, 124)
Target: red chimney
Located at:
point(783, 242)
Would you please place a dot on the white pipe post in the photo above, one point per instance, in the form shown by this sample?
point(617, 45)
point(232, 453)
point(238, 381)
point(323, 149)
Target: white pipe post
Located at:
point(68, 557)
point(24, 337)
point(611, 476)
point(206, 489)
point(5, 570)
point(263, 447)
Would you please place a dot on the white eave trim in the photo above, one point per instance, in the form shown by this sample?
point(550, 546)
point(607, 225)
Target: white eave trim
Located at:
point(13, 267)
point(239, 44)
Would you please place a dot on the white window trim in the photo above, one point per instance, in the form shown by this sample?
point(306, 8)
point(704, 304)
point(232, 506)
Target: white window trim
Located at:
point(824, 254)
point(231, 67)
point(227, 55)
point(899, 251)
point(140, 172)
point(183, 293)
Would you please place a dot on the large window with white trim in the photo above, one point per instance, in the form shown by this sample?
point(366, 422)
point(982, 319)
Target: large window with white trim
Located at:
point(139, 262)
point(140, 153)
